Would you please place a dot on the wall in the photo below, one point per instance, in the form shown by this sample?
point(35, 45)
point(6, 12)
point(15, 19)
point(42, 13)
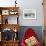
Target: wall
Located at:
point(32, 4)
point(27, 4)
point(7, 3)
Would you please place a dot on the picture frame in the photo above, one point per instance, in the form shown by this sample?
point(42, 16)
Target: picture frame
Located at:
point(29, 14)
point(5, 12)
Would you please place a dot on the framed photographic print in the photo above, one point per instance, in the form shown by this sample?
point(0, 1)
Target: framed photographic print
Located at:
point(5, 12)
point(29, 14)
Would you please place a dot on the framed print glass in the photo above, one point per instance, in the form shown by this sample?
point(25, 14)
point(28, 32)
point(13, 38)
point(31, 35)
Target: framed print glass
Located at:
point(5, 12)
point(29, 14)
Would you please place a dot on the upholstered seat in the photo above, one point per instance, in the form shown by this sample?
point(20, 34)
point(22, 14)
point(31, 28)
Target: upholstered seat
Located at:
point(30, 35)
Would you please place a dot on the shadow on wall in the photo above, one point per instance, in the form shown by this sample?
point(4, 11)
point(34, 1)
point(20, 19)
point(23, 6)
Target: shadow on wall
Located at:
point(37, 29)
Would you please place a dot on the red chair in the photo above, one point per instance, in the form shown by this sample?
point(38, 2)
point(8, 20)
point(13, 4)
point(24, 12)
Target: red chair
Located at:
point(29, 33)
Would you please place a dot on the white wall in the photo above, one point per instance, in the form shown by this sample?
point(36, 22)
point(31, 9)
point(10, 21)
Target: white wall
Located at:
point(32, 4)
point(27, 4)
